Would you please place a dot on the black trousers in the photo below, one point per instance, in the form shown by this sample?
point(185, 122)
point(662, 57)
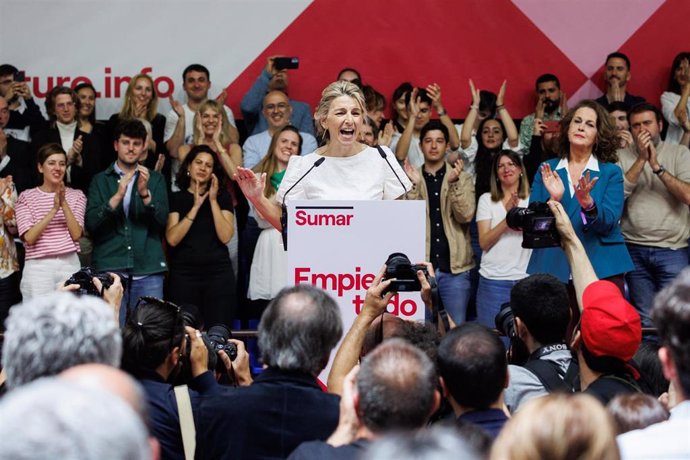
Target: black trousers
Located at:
point(210, 289)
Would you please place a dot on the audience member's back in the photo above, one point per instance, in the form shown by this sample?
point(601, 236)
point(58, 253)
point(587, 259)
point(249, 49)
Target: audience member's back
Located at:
point(285, 405)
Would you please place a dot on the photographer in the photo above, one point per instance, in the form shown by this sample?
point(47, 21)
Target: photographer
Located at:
point(539, 305)
point(156, 345)
point(374, 316)
point(610, 328)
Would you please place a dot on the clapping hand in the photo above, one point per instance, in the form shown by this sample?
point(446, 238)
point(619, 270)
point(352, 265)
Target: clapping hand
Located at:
point(552, 182)
point(412, 172)
point(176, 106)
point(501, 94)
point(582, 189)
point(454, 173)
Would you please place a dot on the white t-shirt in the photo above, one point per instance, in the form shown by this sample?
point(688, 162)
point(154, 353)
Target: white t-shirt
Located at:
point(364, 176)
point(507, 259)
point(669, 101)
point(414, 153)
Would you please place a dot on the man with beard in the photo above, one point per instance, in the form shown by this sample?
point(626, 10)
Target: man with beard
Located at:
point(551, 106)
point(655, 217)
point(126, 214)
point(617, 75)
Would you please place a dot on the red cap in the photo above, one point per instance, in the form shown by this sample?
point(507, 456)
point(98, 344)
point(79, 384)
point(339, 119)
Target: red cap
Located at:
point(610, 326)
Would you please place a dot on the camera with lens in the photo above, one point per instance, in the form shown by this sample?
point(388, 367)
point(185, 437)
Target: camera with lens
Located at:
point(504, 321)
point(398, 266)
point(84, 278)
point(537, 223)
point(218, 336)
point(505, 324)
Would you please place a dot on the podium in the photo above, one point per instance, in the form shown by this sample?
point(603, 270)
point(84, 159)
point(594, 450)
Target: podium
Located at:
point(340, 246)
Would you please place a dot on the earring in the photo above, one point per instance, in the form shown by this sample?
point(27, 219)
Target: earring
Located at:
point(188, 173)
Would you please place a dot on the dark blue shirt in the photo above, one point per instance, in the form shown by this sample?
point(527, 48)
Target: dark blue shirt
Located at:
point(490, 420)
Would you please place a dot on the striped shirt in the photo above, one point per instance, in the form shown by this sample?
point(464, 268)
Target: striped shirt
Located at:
point(33, 205)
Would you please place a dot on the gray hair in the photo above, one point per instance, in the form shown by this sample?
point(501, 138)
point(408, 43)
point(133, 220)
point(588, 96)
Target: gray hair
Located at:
point(437, 443)
point(299, 329)
point(49, 334)
point(334, 91)
point(396, 383)
point(51, 418)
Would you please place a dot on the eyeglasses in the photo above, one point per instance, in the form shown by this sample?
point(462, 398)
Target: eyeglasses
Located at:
point(166, 304)
point(272, 107)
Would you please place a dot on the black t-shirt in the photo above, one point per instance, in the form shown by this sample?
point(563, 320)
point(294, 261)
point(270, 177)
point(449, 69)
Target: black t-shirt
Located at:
point(200, 247)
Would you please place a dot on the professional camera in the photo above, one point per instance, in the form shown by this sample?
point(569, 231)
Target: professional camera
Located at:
point(398, 266)
point(537, 223)
point(84, 278)
point(504, 321)
point(218, 336)
point(505, 324)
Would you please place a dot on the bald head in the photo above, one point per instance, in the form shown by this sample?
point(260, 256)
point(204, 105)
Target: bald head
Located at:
point(277, 109)
point(397, 387)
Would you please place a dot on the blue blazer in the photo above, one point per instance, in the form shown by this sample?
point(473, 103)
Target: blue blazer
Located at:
point(601, 237)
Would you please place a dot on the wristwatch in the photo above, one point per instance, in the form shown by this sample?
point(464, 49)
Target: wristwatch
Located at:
point(659, 171)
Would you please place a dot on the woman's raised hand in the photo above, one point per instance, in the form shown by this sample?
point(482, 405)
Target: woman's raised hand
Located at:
point(582, 189)
point(501, 94)
point(251, 185)
point(476, 98)
point(552, 182)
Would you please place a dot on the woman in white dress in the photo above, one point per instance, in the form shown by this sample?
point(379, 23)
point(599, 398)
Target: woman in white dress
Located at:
point(349, 170)
point(268, 273)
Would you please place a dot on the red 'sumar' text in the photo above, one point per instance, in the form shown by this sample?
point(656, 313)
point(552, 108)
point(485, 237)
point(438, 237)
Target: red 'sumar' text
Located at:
point(302, 217)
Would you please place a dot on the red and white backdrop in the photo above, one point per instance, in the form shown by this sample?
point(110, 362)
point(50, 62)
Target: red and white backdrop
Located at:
point(389, 41)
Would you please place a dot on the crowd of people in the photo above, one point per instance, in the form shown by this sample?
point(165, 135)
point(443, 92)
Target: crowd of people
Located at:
point(183, 217)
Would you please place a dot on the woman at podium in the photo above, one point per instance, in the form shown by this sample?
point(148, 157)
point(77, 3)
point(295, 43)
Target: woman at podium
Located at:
point(341, 169)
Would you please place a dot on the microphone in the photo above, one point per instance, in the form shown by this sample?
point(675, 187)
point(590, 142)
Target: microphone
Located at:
point(283, 215)
point(385, 157)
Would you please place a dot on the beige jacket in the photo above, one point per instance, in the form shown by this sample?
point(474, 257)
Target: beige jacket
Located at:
point(457, 209)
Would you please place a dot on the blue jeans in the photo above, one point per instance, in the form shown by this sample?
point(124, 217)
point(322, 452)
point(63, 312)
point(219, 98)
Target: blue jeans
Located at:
point(454, 291)
point(654, 269)
point(491, 294)
point(152, 286)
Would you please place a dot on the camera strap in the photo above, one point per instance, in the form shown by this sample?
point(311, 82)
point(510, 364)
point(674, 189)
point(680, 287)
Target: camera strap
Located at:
point(187, 428)
point(547, 350)
point(550, 373)
point(438, 310)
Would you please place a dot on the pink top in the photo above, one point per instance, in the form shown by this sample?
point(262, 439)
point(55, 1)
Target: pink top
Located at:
point(33, 205)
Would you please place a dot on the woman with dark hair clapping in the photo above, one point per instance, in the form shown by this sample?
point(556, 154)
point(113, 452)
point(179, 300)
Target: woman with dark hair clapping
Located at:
point(589, 185)
point(200, 224)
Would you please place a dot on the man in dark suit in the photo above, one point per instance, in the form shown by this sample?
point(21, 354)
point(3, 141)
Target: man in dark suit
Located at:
point(284, 406)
